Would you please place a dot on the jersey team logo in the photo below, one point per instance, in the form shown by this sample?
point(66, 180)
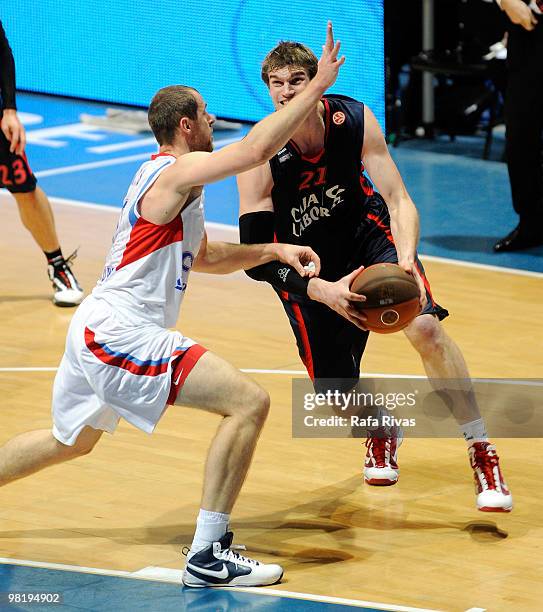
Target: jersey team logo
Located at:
point(338, 117)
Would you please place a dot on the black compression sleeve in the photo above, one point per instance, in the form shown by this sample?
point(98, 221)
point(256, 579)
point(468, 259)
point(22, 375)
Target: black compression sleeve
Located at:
point(7, 72)
point(257, 228)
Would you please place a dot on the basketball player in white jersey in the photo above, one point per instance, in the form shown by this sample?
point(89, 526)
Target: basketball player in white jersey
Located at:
point(120, 358)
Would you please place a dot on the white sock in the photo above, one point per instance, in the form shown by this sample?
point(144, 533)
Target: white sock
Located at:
point(475, 431)
point(210, 527)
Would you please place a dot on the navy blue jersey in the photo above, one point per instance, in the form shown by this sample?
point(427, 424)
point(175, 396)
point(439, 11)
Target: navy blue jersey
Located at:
point(321, 201)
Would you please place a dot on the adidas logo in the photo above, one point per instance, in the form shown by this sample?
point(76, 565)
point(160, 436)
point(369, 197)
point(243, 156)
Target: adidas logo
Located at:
point(283, 272)
point(283, 155)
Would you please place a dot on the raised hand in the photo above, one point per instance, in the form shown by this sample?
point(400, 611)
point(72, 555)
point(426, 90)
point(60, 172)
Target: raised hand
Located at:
point(329, 64)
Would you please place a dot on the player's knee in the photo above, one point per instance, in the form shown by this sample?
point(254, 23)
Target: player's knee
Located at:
point(427, 335)
point(261, 405)
point(65, 452)
point(85, 442)
point(26, 198)
point(81, 451)
point(27, 205)
point(72, 452)
point(257, 403)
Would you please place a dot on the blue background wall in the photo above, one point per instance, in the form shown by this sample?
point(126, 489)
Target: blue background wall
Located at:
point(124, 50)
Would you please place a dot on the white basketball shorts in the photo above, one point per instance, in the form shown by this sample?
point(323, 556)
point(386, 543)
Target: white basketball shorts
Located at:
point(113, 368)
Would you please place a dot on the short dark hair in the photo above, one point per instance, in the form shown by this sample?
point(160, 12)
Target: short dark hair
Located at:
point(289, 53)
point(168, 106)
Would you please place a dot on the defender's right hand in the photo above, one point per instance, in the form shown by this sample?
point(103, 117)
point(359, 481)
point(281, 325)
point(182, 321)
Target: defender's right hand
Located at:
point(339, 297)
point(329, 64)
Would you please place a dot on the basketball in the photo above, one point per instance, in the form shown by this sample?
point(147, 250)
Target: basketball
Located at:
point(392, 297)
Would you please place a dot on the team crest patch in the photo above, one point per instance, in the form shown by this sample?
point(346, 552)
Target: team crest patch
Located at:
point(338, 117)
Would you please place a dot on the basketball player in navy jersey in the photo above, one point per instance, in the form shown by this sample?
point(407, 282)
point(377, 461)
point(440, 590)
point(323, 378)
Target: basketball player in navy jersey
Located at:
point(315, 192)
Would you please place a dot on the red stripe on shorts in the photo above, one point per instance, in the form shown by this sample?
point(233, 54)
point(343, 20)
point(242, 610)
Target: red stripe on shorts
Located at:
point(425, 281)
point(29, 169)
point(382, 226)
point(182, 367)
point(308, 357)
point(124, 360)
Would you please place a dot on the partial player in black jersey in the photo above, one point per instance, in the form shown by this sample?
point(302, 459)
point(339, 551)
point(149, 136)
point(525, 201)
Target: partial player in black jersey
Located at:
point(317, 192)
point(524, 122)
point(17, 177)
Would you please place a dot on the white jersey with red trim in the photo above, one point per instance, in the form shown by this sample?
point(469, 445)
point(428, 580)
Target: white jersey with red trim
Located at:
point(147, 269)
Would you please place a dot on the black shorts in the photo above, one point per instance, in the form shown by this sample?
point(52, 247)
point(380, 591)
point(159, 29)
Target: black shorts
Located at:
point(331, 347)
point(15, 173)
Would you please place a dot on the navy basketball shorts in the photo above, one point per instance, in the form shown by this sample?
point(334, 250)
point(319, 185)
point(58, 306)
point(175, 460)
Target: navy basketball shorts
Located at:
point(15, 173)
point(331, 347)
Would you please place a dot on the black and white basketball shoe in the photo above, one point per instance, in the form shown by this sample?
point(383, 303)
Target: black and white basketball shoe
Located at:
point(219, 565)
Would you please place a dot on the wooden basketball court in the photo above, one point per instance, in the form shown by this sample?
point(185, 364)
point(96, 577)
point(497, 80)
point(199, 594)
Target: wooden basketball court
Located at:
point(132, 503)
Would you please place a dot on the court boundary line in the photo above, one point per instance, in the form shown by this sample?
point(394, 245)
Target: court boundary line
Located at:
point(246, 370)
point(115, 161)
point(530, 382)
point(234, 229)
point(169, 578)
point(481, 266)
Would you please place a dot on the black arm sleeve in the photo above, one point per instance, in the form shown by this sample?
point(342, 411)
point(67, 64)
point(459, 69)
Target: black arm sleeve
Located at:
point(7, 72)
point(257, 228)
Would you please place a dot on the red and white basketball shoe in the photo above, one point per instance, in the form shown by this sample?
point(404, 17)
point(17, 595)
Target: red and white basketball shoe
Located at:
point(381, 465)
point(492, 492)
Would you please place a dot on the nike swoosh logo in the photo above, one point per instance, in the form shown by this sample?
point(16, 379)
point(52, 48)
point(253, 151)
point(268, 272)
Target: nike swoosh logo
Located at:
point(222, 574)
point(176, 382)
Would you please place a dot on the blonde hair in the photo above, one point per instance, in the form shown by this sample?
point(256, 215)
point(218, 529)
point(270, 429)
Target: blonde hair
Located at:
point(288, 53)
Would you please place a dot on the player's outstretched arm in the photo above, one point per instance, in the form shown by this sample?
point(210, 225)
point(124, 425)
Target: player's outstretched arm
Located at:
point(168, 195)
point(226, 257)
point(265, 138)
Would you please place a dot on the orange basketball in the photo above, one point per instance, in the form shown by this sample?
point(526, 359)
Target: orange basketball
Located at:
point(392, 297)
